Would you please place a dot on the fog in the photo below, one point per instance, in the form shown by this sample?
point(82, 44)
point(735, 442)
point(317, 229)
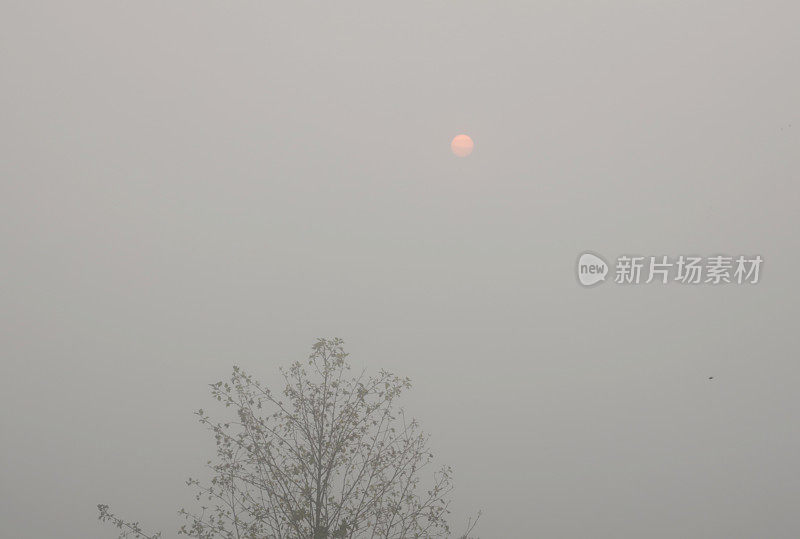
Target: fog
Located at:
point(186, 186)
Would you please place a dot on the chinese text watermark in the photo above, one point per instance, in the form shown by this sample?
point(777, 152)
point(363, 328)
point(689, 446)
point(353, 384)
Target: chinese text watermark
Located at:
point(592, 269)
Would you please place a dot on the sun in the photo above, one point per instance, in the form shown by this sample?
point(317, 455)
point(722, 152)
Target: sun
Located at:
point(462, 145)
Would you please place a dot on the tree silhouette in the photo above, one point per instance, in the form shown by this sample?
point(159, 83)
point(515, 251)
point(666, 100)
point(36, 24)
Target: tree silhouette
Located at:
point(331, 456)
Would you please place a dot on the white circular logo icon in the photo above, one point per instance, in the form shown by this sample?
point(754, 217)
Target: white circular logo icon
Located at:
point(592, 269)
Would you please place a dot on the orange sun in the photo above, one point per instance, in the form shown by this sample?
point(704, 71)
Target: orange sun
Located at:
point(462, 145)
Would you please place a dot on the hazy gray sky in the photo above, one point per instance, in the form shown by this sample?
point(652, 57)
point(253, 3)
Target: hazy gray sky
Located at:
point(189, 185)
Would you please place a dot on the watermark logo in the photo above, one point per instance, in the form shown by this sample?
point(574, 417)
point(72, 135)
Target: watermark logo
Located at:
point(592, 269)
point(683, 269)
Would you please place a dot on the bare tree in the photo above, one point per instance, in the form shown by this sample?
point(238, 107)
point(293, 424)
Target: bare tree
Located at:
point(331, 456)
